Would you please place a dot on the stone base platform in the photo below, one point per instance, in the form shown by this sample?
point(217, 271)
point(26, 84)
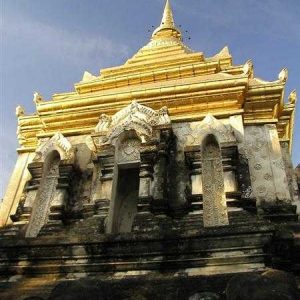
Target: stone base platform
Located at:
point(156, 263)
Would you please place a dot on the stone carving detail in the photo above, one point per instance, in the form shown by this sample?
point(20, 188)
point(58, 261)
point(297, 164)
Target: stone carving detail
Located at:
point(103, 123)
point(214, 199)
point(210, 125)
point(135, 117)
point(129, 150)
point(163, 116)
point(268, 176)
point(59, 143)
point(248, 192)
point(44, 198)
point(257, 167)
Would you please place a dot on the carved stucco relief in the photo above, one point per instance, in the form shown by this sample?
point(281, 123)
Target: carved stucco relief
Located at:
point(214, 199)
point(44, 198)
point(56, 143)
point(210, 125)
point(129, 150)
point(266, 165)
point(50, 152)
point(135, 117)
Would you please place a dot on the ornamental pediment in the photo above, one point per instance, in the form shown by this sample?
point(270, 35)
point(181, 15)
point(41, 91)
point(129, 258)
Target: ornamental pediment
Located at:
point(56, 143)
point(135, 117)
point(211, 125)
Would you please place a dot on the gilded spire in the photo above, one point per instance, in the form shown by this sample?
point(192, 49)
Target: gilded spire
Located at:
point(167, 27)
point(167, 19)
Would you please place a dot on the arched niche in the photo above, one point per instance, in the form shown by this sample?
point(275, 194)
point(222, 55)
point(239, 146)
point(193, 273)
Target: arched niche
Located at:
point(54, 160)
point(45, 194)
point(126, 180)
point(214, 198)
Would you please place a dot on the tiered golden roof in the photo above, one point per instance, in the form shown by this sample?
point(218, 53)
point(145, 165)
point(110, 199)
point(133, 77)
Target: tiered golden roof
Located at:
point(165, 72)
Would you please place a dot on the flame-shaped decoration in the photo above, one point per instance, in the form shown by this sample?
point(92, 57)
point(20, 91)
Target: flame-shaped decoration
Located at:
point(283, 75)
point(293, 97)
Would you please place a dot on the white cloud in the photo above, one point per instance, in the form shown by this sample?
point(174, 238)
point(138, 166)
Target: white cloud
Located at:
point(59, 43)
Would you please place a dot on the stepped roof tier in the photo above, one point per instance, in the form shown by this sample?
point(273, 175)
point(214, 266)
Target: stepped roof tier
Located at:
point(165, 72)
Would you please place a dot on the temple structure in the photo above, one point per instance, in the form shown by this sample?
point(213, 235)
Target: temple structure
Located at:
point(172, 168)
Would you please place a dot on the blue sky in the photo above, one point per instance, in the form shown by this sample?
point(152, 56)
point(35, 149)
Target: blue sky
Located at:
point(47, 45)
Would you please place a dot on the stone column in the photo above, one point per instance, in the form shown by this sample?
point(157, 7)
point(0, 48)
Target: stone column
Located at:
point(90, 208)
point(160, 181)
point(107, 162)
point(96, 182)
point(103, 205)
point(146, 181)
point(59, 202)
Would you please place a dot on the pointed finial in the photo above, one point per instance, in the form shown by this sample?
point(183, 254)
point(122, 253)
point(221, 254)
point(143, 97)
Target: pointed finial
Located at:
point(37, 98)
point(20, 111)
point(167, 19)
point(167, 27)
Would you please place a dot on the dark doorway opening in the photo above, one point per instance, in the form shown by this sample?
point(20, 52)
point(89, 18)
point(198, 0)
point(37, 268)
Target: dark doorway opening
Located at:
point(126, 198)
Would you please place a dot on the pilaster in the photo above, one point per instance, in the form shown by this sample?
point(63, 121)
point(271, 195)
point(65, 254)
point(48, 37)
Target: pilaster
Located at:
point(160, 195)
point(146, 181)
